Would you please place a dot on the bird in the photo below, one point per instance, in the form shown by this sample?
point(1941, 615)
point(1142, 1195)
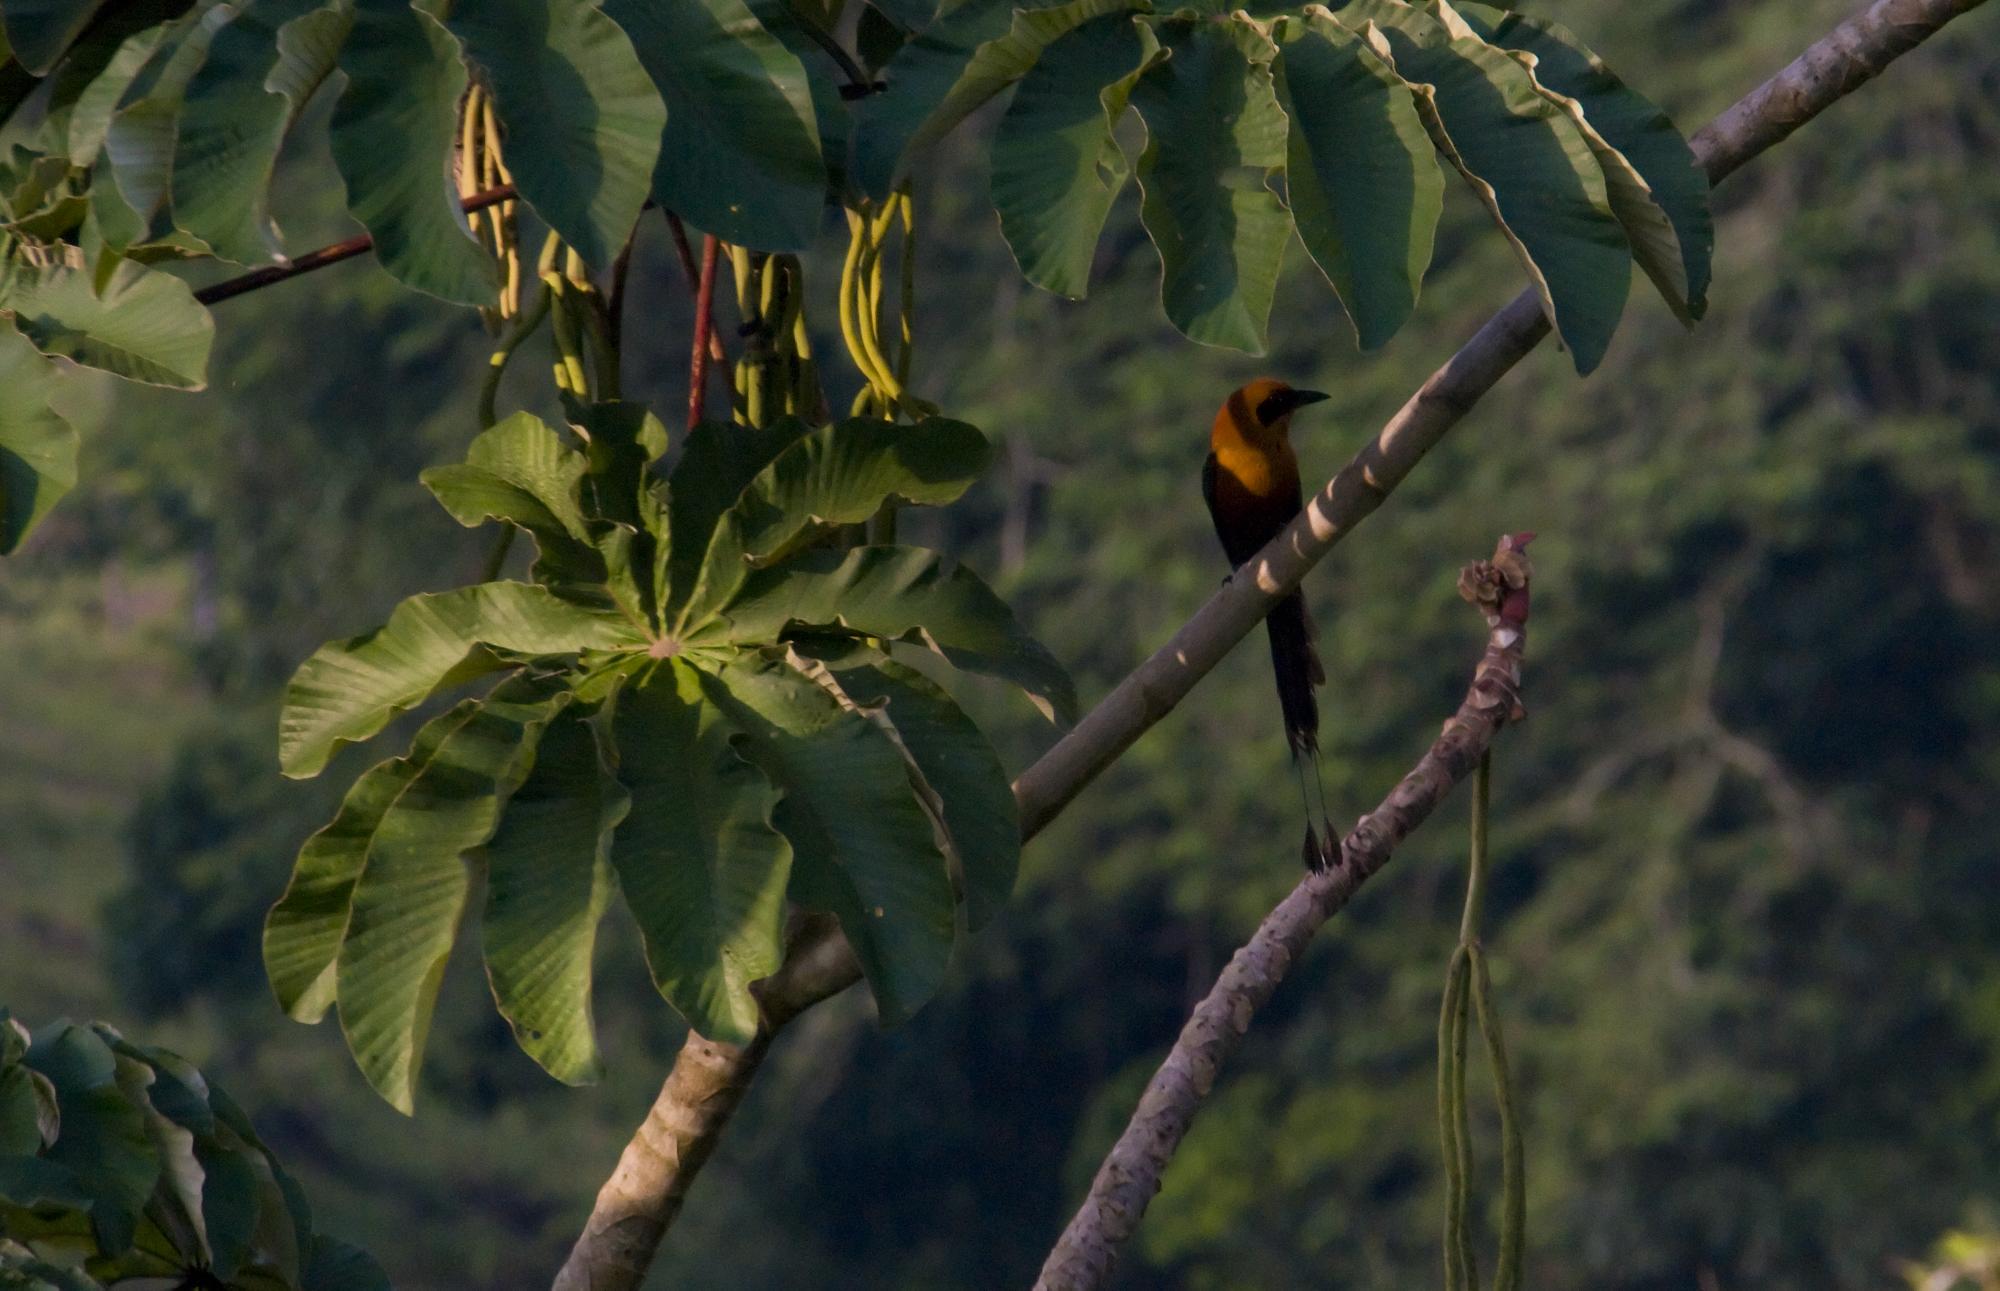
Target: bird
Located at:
point(1251, 484)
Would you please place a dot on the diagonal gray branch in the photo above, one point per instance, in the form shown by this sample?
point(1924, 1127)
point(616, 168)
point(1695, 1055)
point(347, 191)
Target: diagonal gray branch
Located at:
point(1836, 65)
point(1125, 1183)
point(644, 1204)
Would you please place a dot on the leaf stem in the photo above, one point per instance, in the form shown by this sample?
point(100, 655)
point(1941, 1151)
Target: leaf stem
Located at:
point(503, 354)
point(704, 327)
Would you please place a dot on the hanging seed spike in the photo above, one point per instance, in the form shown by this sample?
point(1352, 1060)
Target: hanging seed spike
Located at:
point(740, 267)
point(770, 288)
point(1513, 1187)
point(466, 166)
point(510, 294)
point(568, 344)
point(849, 300)
point(890, 390)
point(1448, 1126)
point(906, 315)
point(811, 400)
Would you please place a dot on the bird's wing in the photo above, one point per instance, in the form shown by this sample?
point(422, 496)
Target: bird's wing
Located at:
point(1210, 469)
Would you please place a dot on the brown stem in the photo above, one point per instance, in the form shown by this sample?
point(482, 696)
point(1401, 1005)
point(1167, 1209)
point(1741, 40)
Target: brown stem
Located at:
point(324, 256)
point(1836, 65)
point(716, 354)
point(704, 330)
point(1130, 1174)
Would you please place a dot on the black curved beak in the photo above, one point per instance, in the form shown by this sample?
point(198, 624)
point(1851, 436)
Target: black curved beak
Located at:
point(1300, 398)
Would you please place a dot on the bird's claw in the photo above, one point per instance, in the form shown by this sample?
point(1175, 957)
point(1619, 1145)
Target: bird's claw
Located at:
point(1321, 851)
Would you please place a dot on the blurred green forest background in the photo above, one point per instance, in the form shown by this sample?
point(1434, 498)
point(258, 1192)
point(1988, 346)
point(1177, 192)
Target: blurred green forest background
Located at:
point(1747, 892)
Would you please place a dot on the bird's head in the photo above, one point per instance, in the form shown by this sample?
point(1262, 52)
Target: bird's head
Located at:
point(1265, 407)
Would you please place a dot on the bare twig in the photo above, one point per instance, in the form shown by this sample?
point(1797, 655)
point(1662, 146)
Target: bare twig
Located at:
point(324, 256)
point(1130, 1174)
point(1834, 66)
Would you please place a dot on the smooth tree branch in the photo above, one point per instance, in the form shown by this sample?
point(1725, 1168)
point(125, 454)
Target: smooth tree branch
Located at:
point(1836, 65)
point(1130, 1175)
point(644, 1194)
point(215, 293)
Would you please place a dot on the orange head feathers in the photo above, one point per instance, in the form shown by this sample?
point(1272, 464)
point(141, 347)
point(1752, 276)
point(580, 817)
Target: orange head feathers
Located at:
point(1261, 412)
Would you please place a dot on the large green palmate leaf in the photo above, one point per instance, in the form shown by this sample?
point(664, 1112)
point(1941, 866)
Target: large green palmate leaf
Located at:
point(741, 155)
point(1215, 136)
point(334, 1265)
point(98, 97)
point(38, 31)
point(412, 881)
point(582, 118)
point(1525, 159)
point(898, 594)
point(952, 759)
point(348, 690)
point(1648, 231)
point(862, 846)
point(29, 1116)
point(107, 41)
point(916, 80)
point(701, 864)
point(717, 461)
point(1638, 130)
point(1056, 165)
point(143, 325)
point(1364, 187)
point(232, 125)
point(972, 52)
point(838, 474)
point(148, 1176)
point(548, 880)
point(303, 932)
point(824, 81)
point(521, 472)
point(37, 447)
point(625, 502)
point(140, 140)
point(103, 1143)
point(23, 1272)
point(393, 132)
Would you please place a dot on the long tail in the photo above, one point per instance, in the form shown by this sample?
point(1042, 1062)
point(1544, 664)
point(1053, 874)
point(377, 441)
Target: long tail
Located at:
point(1298, 670)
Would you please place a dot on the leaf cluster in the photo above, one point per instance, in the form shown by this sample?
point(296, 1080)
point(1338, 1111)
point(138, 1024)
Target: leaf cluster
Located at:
point(152, 131)
point(121, 1161)
point(1274, 118)
point(699, 710)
